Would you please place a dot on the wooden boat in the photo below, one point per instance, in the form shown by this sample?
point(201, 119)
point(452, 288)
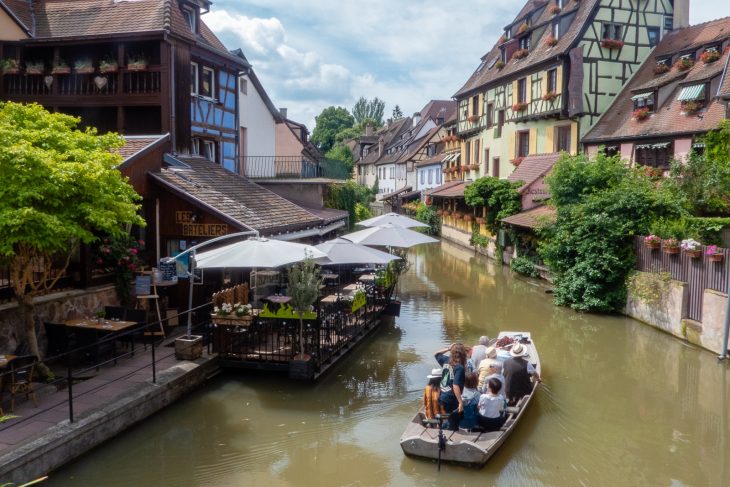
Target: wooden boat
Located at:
point(421, 437)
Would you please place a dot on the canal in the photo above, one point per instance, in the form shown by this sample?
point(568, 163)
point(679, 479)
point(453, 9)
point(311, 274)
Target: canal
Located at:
point(622, 404)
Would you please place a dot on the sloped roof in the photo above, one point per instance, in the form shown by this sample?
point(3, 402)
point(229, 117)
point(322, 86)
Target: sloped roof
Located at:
point(436, 159)
point(134, 144)
point(234, 198)
point(582, 11)
point(532, 218)
point(724, 89)
point(533, 167)
point(618, 123)
point(21, 10)
point(386, 134)
point(452, 189)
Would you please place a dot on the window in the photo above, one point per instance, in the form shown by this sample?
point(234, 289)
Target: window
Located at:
point(438, 176)
point(490, 115)
point(486, 159)
point(392, 173)
point(195, 146)
point(653, 33)
point(423, 177)
point(523, 143)
point(476, 152)
point(525, 42)
point(521, 90)
point(193, 78)
point(562, 139)
point(495, 167)
point(610, 150)
point(243, 87)
point(668, 22)
point(500, 123)
point(552, 80)
point(209, 150)
point(467, 150)
point(612, 31)
point(556, 30)
point(207, 83)
point(430, 176)
point(507, 34)
point(644, 100)
point(654, 155)
point(475, 105)
point(190, 18)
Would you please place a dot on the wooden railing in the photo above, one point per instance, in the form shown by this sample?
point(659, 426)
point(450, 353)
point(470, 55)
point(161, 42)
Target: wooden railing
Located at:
point(123, 82)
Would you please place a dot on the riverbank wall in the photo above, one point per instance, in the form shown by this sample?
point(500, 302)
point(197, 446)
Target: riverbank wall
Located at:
point(66, 441)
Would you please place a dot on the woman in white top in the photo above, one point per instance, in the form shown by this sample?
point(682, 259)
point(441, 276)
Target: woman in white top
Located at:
point(491, 407)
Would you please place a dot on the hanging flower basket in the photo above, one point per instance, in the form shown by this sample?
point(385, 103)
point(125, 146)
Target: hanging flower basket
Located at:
point(473, 118)
point(683, 64)
point(662, 68)
point(517, 161)
point(551, 41)
point(520, 53)
point(555, 10)
point(468, 218)
point(652, 242)
point(693, 254)
point(612, 44)
point(691, 107)
point(499, 65)
point(519, 107)
point(549, 96)
point(641, 113)
point(708, 57)
point(718, 257)
point(670, 246)
point(480, 220)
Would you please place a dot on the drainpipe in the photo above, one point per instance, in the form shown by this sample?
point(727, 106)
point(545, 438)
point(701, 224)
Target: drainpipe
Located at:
point(173, 115)
point(723, 352)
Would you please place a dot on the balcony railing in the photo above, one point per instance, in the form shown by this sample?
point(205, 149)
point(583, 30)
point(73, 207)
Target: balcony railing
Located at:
point(124, 82)
point(291, 167)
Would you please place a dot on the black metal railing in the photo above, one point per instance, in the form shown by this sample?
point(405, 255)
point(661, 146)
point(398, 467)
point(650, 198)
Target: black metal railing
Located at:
point(103, 352)
point(292, 167)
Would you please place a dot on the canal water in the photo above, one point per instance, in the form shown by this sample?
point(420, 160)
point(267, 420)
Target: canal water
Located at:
point(622, 404)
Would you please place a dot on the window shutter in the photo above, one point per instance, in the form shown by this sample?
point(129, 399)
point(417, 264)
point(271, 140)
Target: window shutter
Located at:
point(544, 83)
point(559, 79)
point(573, 138)
point(514, 92)
point(511, 146)
point(528, 89)
point(533, 141)
point(550, 139)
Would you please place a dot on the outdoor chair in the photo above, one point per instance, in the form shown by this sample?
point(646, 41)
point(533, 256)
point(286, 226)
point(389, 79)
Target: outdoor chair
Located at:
point(20, 379)
point(115, 313)
point(60, 340)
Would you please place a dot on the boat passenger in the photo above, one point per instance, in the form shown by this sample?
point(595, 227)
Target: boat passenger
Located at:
point(517, 373)
point(431, 394)
point(470, 398)
point(479, 352)
point(491, 407)
point(484, 370)
point(452, 382)
point(496, 373)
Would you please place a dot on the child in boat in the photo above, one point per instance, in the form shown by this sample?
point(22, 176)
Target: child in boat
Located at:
point(470, 398)
point(491, 407)
point(431, 394)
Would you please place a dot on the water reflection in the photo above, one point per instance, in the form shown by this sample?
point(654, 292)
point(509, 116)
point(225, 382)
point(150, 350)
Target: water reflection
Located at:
point(622, 404)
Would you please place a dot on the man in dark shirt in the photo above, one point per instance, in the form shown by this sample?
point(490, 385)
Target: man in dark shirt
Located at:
point(452, 384)
point(517, 372)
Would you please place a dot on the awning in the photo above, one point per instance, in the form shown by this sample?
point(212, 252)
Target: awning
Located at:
point(642, 96)
point(396, 192)
point(644, 146)
point(662, 145)
point(692, 92)
point(533, 218)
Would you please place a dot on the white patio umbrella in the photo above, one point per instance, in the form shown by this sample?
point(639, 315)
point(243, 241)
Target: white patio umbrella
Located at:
point(256, 252)
point(389, 235)
point(340, 251)
point(394, 218)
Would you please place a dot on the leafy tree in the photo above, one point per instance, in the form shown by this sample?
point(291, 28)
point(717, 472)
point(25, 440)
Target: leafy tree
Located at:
point(60, 187)
point(601, 205)
point(328, 124)
point(304, 282)
point(397, 113)
point(369, 110)
point(346, 196)
point(499, 196)
point(340, 152)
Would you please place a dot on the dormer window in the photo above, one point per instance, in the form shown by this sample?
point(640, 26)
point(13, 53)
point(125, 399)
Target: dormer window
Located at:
point(191, 17)
point(556, 30)
point(525, 42)
point(644, 100)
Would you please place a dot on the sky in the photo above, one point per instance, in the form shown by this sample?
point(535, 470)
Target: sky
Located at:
point(313, 54)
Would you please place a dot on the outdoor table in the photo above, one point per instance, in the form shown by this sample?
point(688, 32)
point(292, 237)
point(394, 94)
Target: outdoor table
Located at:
point(278, 299)
point(352, 287)
point(333, 298)
point(367, 278)
point(5, 360)
point(97, 327)
point(330, 277)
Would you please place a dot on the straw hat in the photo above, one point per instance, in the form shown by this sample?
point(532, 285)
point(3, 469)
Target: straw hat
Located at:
point(435, 374)
point(491, 352)
point(518, 350)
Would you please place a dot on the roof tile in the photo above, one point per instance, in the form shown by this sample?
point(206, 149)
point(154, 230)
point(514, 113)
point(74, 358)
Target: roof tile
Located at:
point(532, 218)
point(533, 167)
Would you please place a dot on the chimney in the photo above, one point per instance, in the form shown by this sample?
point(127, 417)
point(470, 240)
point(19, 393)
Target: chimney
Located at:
point(380, 147)
point(416, 118)
point(681, 14)
point(368, 130)
point(388, 122)
point(283, 112)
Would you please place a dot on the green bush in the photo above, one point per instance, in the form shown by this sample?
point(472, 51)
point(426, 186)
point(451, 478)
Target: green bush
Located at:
point(707, 230)
point(362, 212)
point(499, 196)
point(427, 214)
point(524, 266)
point(346, 196)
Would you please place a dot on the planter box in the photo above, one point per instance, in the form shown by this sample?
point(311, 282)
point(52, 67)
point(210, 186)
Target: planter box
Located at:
point(84, 70)
point(671, 250)
point(136, 67)
point(109, 69)
point(189, 348)
point(693, 254)
point(301, 369)
point(231, 320)
point(652, 245)
point(61, 70)
point(716, 257)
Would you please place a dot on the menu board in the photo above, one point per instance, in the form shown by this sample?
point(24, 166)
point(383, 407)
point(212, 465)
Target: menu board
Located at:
point(168, 270)
point(142, 285)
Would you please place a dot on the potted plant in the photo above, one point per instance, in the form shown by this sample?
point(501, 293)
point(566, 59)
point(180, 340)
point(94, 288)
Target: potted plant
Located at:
point(641, 113)
point(304, 282)
point(549, 96)
point(517, 161)
point(473, 118)
point(136, 63)
point(60, 67)
point(520, 106)
point(108, 65)
point(714, 254)
point(10, 66)
point(100, 315)
point(468, 218)
point(480, 220)
point(551, 41)
point(708, 57)
point(661, 68)
point(612, 43)
point(523, 28)
point(554, 10)
point(683, 64)
point(671, 246)
point(520, 53)
point(690, 107)
point(34, 67)
point(84, 65)
point(499, 64)
point(652, 242)
point(691, 247)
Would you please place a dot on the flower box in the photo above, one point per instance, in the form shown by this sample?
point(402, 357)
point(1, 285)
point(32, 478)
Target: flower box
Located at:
point(502, 39)
point(523, 28)
point(137, 66)
point(662, 68)
point(519, 107)
point(9, 66)
point(555, 10)
point(683, 64)
point(108, 67)
point(520, 53)
point(671, 250)
point(34, 68)
point(475, 167)
point(468, 218)
point(61, 69)
point(693, 254)
point(549, 96)
point(473, 118)
point(440, 212)
point(551, 41)
point(641, 113)
point(652, 245)
point(691, 107)
point(517, 161)
point(708, 57)
point(84, 70)
point(499, 65)
point(718, 257)
point(231, 319)
point(480, 220)
point(612, 44)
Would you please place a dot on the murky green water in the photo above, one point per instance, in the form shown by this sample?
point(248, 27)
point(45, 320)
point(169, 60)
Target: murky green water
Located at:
point(623, 404)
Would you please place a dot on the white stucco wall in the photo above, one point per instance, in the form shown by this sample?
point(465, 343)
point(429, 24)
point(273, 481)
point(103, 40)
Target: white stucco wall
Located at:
point(436, 177)
point(260, 126)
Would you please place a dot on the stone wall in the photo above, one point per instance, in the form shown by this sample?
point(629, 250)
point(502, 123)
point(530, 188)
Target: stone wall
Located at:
point(55, 308)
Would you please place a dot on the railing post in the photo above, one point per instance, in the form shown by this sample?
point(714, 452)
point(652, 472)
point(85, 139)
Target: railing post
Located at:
point(69, 381)
point(154, 364)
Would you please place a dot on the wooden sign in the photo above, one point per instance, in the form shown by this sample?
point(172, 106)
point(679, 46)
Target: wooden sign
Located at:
point(142, 285)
